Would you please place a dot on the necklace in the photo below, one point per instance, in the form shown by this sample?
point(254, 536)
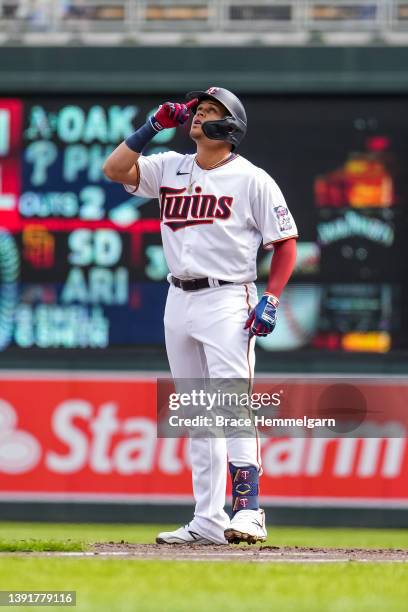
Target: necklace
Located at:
point(191, 182)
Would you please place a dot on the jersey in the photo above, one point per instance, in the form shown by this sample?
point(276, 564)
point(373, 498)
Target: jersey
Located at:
point(213, 221)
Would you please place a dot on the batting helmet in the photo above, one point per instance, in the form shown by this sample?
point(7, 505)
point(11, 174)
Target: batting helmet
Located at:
point(233, 127)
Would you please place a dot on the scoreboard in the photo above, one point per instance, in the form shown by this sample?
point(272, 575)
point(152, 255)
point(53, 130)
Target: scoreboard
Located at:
point(82, 265)
point(81, 261)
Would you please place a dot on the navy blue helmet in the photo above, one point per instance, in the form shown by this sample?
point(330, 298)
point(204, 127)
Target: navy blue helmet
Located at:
point(232, 128)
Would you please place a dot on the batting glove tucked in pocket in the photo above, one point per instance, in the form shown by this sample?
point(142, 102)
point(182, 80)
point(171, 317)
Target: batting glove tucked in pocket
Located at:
point(262, 319)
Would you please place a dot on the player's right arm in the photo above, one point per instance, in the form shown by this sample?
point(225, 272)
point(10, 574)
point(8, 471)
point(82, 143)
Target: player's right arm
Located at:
point(121, 166)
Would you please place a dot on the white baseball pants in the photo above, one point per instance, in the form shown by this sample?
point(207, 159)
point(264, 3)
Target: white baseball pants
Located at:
point(205, 338)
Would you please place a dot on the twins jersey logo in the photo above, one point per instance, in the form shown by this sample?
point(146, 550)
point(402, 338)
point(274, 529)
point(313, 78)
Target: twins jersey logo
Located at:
point(282, 214)
point(178, 210)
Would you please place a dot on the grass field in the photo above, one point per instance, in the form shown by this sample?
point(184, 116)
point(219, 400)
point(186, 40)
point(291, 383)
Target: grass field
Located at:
point(122, 585)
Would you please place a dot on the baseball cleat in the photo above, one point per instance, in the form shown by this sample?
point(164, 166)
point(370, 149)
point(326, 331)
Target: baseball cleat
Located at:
point(183, 535)
point(247, 526)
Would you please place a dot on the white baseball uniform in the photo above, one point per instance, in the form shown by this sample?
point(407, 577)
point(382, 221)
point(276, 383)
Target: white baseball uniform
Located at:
point(212, 223)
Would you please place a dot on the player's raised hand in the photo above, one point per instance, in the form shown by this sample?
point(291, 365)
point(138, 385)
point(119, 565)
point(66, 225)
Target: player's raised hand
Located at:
point(171, 114)
point(262, 319)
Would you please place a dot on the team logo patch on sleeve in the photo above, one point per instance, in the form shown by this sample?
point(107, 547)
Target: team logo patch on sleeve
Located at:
point(283, 217)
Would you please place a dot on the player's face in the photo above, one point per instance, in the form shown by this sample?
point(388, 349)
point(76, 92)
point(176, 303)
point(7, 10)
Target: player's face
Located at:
point(207, 110)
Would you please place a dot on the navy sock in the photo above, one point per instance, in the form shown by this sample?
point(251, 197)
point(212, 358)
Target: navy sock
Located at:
point(245, 488)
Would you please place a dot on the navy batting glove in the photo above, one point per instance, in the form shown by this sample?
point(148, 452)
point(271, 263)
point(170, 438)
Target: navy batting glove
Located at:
point(262, 319)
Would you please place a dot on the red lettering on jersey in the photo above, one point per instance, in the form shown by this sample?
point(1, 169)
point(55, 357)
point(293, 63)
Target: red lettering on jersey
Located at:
point(177, 207)
point(178, 210)
point(178, 225)
point(195, 206)
point(224, 207)
point(208, 204)
point(166, 199)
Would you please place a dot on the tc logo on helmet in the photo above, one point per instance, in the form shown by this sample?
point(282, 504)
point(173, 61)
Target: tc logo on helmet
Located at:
point(212, 90)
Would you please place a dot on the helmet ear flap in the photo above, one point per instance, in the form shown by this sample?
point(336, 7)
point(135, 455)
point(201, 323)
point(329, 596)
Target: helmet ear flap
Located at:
point(227, 129)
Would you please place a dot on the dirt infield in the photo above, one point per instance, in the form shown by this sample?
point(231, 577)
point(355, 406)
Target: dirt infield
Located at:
point(210, 553)
point(257, 554)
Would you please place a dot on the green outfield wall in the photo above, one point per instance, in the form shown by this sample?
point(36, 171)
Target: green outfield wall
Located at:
point(312, 69)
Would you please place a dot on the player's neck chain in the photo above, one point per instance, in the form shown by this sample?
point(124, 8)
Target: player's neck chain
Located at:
point(222, 161)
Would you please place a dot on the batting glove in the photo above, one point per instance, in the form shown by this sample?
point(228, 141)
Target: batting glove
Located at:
point(262, 319)
point(171, 114)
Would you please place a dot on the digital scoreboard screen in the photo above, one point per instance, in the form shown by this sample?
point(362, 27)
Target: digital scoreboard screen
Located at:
point(81, 261)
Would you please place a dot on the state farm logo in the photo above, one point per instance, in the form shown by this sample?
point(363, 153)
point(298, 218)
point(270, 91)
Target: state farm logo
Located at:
point(19, 450)
point(92, 438)
point(79, 436)
point(384, 457)
point(98, 439)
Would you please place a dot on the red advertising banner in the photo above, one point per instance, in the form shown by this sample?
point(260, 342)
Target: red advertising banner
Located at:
point(92, 436)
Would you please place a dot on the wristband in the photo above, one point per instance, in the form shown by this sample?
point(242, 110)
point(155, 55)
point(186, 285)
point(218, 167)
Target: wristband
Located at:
point(272, 299)
point(139, 139)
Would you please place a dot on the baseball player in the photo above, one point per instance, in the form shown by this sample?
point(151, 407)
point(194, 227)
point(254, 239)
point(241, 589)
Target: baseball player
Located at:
point(215, 209)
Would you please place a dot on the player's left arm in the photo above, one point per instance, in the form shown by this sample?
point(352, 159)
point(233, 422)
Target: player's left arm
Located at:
point(282, 266)
point(262, 319)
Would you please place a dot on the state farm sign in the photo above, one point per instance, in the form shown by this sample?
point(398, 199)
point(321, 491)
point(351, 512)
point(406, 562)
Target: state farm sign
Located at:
point(93, 436)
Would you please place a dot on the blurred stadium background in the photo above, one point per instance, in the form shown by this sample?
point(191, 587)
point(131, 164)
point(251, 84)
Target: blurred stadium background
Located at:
point(82, 273)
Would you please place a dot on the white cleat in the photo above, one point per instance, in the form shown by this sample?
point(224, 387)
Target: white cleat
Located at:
point(247, 526)
point(183, 535)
